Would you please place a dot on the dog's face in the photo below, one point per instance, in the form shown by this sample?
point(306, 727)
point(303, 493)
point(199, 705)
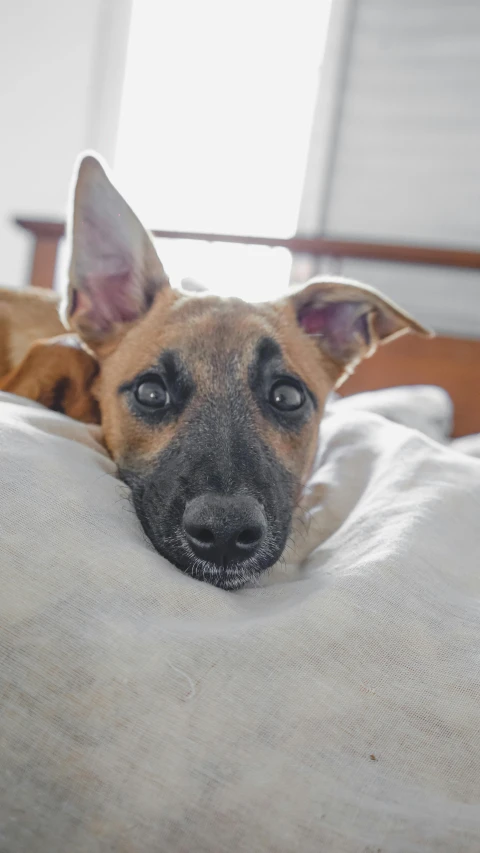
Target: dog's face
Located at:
point(209, 406)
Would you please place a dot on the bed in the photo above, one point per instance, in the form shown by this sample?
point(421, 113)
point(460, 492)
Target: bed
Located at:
point(334, 707)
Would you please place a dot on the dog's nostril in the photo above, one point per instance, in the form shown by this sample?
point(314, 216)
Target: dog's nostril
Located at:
point(205, 536)
point(202, 534)
point(249, 536)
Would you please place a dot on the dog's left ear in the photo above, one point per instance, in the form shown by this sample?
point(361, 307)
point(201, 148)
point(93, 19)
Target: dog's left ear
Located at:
point(115, 272)
point(348, 319)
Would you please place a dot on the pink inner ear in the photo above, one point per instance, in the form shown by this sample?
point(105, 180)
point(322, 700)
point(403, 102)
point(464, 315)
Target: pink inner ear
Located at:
point(106, 300)
point(337, 322)
point(315, 320)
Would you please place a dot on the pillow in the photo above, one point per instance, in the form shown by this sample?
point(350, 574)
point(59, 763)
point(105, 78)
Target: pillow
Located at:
point(335, 707)
point(469, 444)
point(424, 407)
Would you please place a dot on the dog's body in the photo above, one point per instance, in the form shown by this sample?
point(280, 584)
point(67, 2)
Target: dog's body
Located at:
point(39, 360)
point(25, 316)
point(209, 406)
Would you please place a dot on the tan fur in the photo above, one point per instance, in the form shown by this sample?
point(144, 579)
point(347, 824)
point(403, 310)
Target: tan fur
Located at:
point(38, 361)
point(25, 316)
point(58, 373)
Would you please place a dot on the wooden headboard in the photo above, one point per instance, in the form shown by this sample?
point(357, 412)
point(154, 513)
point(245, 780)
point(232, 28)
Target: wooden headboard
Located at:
point(451, 363)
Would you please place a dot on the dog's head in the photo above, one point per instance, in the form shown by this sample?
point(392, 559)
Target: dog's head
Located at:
point(210, 406)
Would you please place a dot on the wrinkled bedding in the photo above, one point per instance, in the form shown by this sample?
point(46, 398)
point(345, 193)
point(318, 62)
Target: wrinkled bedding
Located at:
point(335, 707)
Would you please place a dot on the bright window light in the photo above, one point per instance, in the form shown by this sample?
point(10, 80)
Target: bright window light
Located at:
point(214, 130)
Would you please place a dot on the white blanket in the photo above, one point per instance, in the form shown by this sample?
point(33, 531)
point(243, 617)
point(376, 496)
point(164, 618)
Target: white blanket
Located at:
point(335, 708)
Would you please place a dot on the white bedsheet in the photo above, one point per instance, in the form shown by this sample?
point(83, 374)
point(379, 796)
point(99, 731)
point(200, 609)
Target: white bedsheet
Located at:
point(335, 708)
point(423, 407)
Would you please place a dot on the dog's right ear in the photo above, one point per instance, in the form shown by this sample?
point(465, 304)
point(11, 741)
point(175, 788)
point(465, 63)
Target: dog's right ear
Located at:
point(115, 272)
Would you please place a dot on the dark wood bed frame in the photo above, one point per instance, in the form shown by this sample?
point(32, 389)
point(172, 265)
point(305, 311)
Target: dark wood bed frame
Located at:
point(452, 363)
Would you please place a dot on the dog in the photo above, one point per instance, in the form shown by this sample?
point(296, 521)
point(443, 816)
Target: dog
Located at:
point(39, 361)
point(209, 406)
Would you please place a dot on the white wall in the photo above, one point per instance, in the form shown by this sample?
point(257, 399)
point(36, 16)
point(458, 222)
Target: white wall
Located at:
point(404, 162)
point(407, 161)
point(61, 70)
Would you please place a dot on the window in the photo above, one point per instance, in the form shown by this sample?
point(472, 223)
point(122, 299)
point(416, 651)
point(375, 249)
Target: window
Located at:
point(214, 130)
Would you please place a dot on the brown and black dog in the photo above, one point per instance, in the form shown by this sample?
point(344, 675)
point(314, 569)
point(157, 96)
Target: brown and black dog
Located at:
point(39, 361)
point(210, 407)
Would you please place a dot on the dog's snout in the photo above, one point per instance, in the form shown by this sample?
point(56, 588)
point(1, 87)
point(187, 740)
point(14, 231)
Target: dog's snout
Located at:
point(222, 529)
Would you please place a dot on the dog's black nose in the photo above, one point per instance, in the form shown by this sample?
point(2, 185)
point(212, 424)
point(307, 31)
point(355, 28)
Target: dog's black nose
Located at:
point(224, 530)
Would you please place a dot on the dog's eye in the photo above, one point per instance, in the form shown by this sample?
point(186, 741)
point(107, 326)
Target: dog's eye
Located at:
point(152, 393)
point(286, 396)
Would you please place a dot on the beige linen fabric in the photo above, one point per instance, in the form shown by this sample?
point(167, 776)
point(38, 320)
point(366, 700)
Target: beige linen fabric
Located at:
point(469, 444)
point(423, 407)
point(335, 708)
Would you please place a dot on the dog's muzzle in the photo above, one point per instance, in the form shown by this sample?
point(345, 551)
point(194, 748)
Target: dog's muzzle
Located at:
point(225, 530)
